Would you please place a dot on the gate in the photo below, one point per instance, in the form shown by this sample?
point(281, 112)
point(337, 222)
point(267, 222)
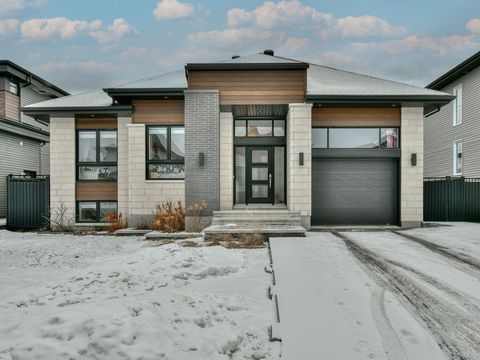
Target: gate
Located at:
point(28, 202)
point(451, 199)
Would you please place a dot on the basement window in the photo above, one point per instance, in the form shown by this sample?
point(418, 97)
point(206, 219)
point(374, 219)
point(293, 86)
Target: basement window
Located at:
point(165, 153)
point(95, 211)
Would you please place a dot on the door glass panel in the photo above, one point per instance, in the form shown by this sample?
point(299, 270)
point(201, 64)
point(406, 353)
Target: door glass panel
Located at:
point(259, 156)
point(240, 128)
point(279, 178)
point(260, 191)
point(389, 138)
point(177, 143)
point(260, 173)
point(260, 128)
point(279, 128)
point(240, 181)
point(319, 138)
point(354, 138)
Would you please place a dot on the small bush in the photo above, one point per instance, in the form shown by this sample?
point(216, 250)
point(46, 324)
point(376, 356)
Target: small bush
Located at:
point(169, 219)
point(115, 222)
point(195, 211)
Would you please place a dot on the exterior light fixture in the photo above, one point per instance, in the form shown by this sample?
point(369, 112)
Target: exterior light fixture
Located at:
point(300, 158)
point(201, 159)
point(413, 159)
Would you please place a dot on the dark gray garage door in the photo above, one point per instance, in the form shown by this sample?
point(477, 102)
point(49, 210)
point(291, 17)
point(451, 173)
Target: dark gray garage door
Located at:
point(354, 191)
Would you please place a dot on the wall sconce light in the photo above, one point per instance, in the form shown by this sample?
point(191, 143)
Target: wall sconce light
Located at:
point(413, 159)
point(300, 158)
point(201, 159)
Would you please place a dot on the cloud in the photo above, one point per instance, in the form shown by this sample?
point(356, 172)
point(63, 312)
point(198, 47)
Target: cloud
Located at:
point(362, 26)
point(284, 13)
point(117, 30)
point(8, 26)
point(42, 29)
point(8, 7)
point(172, 9)
point(414, 43)
point(239, 39)
point(474, 26)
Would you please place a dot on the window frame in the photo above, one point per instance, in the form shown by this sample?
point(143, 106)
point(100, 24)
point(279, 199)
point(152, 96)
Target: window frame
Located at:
point(97, 210)
point(271, 119)
point(97, 162)
point(17, 87)
point(455, 157)
point(379, 128)
point(457, 105)
point(169, 152)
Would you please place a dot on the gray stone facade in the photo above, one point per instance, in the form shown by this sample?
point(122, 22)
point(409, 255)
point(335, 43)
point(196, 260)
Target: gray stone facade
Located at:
point(202, 135)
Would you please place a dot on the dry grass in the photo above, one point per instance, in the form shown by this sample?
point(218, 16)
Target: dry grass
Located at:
point(144, 225)
point(169, 219)
point(115, 222)
point(195, 212)
point(238, 241)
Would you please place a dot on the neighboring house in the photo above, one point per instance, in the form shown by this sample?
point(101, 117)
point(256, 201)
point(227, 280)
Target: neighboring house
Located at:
point(250, 133)
point(24, 142)
point(452, 135)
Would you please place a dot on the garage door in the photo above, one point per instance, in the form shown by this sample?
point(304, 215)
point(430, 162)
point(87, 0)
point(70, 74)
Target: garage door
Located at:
point(354, 191)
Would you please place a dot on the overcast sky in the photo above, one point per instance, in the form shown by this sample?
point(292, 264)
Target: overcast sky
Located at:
point(87, 44)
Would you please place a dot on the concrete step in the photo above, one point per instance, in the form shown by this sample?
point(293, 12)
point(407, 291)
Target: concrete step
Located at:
point(268, 230)
point(257, 220)
point(256, 217)
point(273, 212)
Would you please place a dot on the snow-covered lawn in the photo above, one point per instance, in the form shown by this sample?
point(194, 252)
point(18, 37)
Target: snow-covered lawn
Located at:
point(72, 297)
point(379, 295)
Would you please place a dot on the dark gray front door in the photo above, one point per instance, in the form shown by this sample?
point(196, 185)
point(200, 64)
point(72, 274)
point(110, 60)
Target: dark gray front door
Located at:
point(354, 191)
point(260, 174)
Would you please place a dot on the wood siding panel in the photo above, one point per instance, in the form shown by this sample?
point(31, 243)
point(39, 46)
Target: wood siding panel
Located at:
point(2, 103)
point(9, 105)
point(164, 112)
point(356, 117)
point(95, 123)
point(96, 191)
point(256, 87)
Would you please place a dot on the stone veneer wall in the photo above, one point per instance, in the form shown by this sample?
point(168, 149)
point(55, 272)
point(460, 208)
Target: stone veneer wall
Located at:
point(62, 165)
point(411, 193)
point(299, 178)
point(226, 161)
point(144, 195)
point(122, 156)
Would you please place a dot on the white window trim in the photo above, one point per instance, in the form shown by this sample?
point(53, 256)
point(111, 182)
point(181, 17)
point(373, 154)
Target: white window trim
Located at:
point(455, 173)
point(458, 105)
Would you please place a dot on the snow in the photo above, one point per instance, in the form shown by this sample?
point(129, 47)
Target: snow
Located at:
point(104, 297)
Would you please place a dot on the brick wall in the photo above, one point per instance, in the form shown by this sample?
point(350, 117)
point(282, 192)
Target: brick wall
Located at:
point(299, 178)
point(226, 161)
point(411, 195)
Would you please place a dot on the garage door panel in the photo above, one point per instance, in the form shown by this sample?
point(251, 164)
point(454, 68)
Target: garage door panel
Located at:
point(354, 191)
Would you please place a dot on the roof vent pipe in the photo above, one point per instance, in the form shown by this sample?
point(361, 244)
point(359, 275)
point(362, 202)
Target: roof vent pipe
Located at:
point(269, 52)
point(235, 56)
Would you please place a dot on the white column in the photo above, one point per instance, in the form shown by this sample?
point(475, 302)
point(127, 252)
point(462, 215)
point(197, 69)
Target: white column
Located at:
point(226, 161)
point(411, 193)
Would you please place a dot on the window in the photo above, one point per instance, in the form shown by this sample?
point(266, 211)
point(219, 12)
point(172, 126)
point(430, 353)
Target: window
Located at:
point(259, 128)
point(355, 138)
point(97, 155)
point(457, 157)
point(166, 152)
point(13, 87)
point(457, 105)
point(95, 211)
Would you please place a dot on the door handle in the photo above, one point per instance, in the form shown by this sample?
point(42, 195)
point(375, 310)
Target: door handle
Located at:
point(270, 181)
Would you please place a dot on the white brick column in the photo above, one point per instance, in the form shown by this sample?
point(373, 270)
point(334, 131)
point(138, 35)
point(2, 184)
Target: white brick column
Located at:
point(411, 193)
point(299, 178)
point(122, 155)
point(226, 161)
point(62, 165)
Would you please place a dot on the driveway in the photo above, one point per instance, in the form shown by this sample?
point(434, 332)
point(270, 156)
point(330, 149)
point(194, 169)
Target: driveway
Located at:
point(380, 295)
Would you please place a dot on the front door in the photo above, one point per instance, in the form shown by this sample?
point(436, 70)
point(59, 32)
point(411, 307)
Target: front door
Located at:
point(259, 171)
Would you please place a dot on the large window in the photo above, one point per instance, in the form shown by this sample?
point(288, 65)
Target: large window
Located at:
point(457, 157)
point(457, 105)
point(355, 138)
point(95, 211)
point(165, 152)
point(97, 155)
point(259, 128)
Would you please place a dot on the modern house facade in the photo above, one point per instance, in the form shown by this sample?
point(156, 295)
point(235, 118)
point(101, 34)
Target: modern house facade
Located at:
point(24, 142)
point(253, 133)
point(452, 145)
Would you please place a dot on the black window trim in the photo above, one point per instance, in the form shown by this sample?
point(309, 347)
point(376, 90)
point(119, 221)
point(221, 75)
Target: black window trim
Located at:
point(169, 152)
point(362, 127)
point(97, 210)
point(97, 162)
point(272, 119)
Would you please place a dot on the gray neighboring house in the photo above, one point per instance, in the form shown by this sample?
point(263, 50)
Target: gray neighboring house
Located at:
point(452, 135)
point(24, 141)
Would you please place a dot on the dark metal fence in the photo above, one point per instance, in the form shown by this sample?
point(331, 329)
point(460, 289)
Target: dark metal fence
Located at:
point(28, 202)
point(451, 199)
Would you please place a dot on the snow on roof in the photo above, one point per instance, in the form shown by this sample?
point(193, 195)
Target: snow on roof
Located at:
point(171, 80)
point(96, 98)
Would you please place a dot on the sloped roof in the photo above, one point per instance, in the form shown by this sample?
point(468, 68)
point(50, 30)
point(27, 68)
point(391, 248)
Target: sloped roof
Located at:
point(457, 72)
point(95, 98)
point(171, 80)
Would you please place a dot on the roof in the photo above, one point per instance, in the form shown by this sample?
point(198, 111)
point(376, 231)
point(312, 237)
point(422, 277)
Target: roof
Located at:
point(326, 82)
point(14, 70)
point(96, 98)
point(457, 72)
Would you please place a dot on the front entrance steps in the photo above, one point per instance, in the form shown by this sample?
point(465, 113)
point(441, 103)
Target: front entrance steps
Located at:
point(271, 223)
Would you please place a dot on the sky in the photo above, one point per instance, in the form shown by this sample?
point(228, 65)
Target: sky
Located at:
point(88, 44)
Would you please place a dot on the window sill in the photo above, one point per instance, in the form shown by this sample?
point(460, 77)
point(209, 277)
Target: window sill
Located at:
point(165, 181)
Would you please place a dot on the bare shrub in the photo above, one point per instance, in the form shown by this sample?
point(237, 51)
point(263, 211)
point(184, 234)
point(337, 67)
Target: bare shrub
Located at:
point(248, 241)
point(144, 225)
point(169, 219)
point(115, 222)
point(60, 220)
point(195, 212)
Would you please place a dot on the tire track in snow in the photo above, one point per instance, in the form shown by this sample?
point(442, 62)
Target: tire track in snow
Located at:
point(454, 330)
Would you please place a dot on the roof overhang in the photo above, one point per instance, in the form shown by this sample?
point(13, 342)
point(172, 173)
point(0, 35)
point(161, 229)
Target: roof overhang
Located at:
point(152, 93)
point(23, 130)
point(44, 113)
point(246, 66)
point(457, 72)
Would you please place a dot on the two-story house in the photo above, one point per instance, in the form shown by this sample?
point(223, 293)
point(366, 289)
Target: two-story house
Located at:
point(452, 134)
point(24, 141)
